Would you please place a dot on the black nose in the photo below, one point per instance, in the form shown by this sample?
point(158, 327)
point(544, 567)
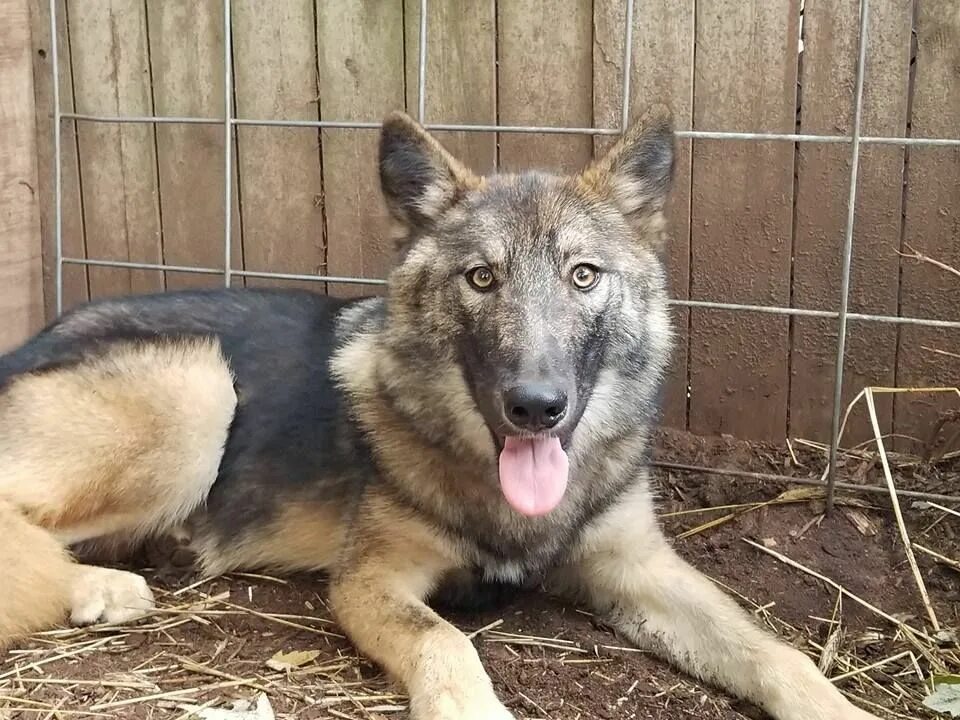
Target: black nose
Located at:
point(534, 407)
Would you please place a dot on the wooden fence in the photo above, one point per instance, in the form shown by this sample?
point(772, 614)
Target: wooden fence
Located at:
point(752, 222)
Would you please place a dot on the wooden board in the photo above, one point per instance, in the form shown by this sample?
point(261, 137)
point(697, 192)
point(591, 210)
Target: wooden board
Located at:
point(661, 72)
point(823, 171)
point(186, 50)
point(21, 277)
point(932, 222)
point(545, 60)
point(746, 66)
point(75, 285)
point(281, 185)
point(111, 75)
point(361, 79)
point(461, 74)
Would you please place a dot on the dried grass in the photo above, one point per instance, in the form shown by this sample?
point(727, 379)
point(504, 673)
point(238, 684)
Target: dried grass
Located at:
point(51, 677)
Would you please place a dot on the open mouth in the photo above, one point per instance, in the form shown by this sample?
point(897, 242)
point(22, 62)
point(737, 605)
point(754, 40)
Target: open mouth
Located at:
point(534, 470)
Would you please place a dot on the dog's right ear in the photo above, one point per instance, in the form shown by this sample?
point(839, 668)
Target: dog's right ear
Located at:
point(418, 177)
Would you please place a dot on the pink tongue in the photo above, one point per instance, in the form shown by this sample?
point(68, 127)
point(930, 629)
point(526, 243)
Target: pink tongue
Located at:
point(533, 474)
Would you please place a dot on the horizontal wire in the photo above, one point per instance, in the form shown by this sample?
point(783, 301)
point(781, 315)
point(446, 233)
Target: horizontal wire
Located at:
point(708, 304)
point(538, 129)
point(125, 265)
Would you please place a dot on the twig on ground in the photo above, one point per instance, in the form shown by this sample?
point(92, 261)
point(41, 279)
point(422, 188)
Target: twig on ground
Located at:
point(770, 477)
point(942, 559)
point(906, 629)
point(944, 509)
point(872, 666)
point(895, 501)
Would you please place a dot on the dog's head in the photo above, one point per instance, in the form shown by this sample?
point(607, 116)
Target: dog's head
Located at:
point(531, 283)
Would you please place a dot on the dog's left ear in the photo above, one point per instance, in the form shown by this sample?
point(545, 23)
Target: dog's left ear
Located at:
point(418, 177)
point(637, 172)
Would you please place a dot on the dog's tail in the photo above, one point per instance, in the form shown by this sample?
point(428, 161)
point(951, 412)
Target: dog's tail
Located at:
point(35, 573)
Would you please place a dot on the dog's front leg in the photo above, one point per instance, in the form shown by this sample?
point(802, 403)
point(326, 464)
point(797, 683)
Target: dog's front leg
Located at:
point(628, 573)
point(377, 596)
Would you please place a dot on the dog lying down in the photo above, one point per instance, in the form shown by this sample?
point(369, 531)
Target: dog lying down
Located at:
point(490, 415)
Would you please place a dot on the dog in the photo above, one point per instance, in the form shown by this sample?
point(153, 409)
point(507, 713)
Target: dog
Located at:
point(489, 415)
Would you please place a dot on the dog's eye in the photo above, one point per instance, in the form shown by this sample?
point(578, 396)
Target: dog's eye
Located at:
point(585, 277)
point(481, 278)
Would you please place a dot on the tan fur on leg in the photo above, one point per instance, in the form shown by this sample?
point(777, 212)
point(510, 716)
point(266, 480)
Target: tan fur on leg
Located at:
point(377, 595)
point(37, 572)
point(627, 571)
point(128, 442)
point(122, 445)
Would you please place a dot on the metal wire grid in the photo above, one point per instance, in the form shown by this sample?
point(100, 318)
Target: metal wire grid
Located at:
point(229, 122)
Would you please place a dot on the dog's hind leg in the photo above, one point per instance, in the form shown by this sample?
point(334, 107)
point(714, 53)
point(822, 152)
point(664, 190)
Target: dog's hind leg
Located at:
point(121, 445)
point(627, 572)
point(37, 571)
point(43, 584)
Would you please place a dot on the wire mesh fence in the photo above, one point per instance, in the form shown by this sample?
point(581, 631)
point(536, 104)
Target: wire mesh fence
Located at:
point(856, 140)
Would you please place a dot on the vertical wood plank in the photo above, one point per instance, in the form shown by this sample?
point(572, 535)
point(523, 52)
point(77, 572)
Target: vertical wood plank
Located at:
point(746, 68)
point(281, 187)
point(661, 72)
point(461, 74)
point(21, 277)
point(361, 79)
point(111, 73)
point(75, 286)
point(829, 75)
point(932, 222)
point(545, 57)
point(186, 50)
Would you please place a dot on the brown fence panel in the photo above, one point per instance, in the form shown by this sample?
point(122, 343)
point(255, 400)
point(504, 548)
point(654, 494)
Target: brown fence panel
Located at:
point(361, 79)
point(21, 283)
point(755, 222)
point(823, 181)
point(746, 68)
point(461, 78)
point(661, 72)
point(932, 224)
point(281, 185)
point(111, 75)
point(546, 78)
point(75, 287)
point(186, 50)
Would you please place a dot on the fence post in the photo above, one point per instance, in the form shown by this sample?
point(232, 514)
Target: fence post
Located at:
point(21, 284)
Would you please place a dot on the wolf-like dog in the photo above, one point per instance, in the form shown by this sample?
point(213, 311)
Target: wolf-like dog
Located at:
point(489, 416)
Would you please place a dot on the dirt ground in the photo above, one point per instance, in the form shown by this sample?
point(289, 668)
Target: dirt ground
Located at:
point(211, 641)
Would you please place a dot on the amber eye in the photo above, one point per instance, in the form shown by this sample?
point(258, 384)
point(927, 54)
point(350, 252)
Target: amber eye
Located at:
point(481, 278)
point(585, 277)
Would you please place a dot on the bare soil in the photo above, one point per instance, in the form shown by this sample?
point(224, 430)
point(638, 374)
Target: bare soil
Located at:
point(211, 644)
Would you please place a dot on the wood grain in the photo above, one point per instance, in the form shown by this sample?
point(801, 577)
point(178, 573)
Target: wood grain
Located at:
point(461, 78)
point(186, 49)
point(75, 277)
point(829, 74)
point(111, 73)
point(746, 75)
point(661, 72)
point(545, 58)
point(361, 79)
point(21, 277)
point(281, 185)
point(932, 225)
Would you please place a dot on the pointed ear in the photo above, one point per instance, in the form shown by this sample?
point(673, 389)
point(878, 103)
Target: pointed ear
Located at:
point(418, 177)
point(636, 173)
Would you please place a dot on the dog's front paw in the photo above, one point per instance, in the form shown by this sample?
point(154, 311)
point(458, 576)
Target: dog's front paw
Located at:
point(104, 595)
point(458, 705)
